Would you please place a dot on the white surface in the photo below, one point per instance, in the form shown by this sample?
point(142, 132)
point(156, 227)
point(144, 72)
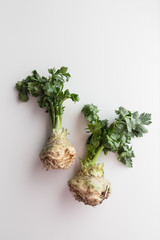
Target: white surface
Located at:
point(112, 51)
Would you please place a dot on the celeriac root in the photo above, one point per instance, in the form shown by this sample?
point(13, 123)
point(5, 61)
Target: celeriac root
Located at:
point(90, 189)
point(58, 152)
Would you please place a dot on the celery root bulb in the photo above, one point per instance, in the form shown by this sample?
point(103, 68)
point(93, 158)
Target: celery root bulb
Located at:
point(58, 152)
point(91, 189)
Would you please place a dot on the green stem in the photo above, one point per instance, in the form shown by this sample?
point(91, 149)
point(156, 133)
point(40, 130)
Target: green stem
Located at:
point(120, 121)
point(52, 117)
point(55, 118)
point(51, 120)
point(58, 124)
point(85, 158)
point(97, 154)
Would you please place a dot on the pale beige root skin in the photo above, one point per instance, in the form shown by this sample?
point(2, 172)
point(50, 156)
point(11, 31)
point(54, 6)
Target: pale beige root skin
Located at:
point(58, 152)
point(91, 190)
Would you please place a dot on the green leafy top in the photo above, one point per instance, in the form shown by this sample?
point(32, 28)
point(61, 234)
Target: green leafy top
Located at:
point(115, 137)
point(49, 91)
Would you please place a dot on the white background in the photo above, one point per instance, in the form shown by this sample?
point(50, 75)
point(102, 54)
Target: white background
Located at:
point(112, 51)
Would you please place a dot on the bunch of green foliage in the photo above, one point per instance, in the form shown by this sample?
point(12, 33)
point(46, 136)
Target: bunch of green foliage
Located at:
point(115, 137)
point(49, 91)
